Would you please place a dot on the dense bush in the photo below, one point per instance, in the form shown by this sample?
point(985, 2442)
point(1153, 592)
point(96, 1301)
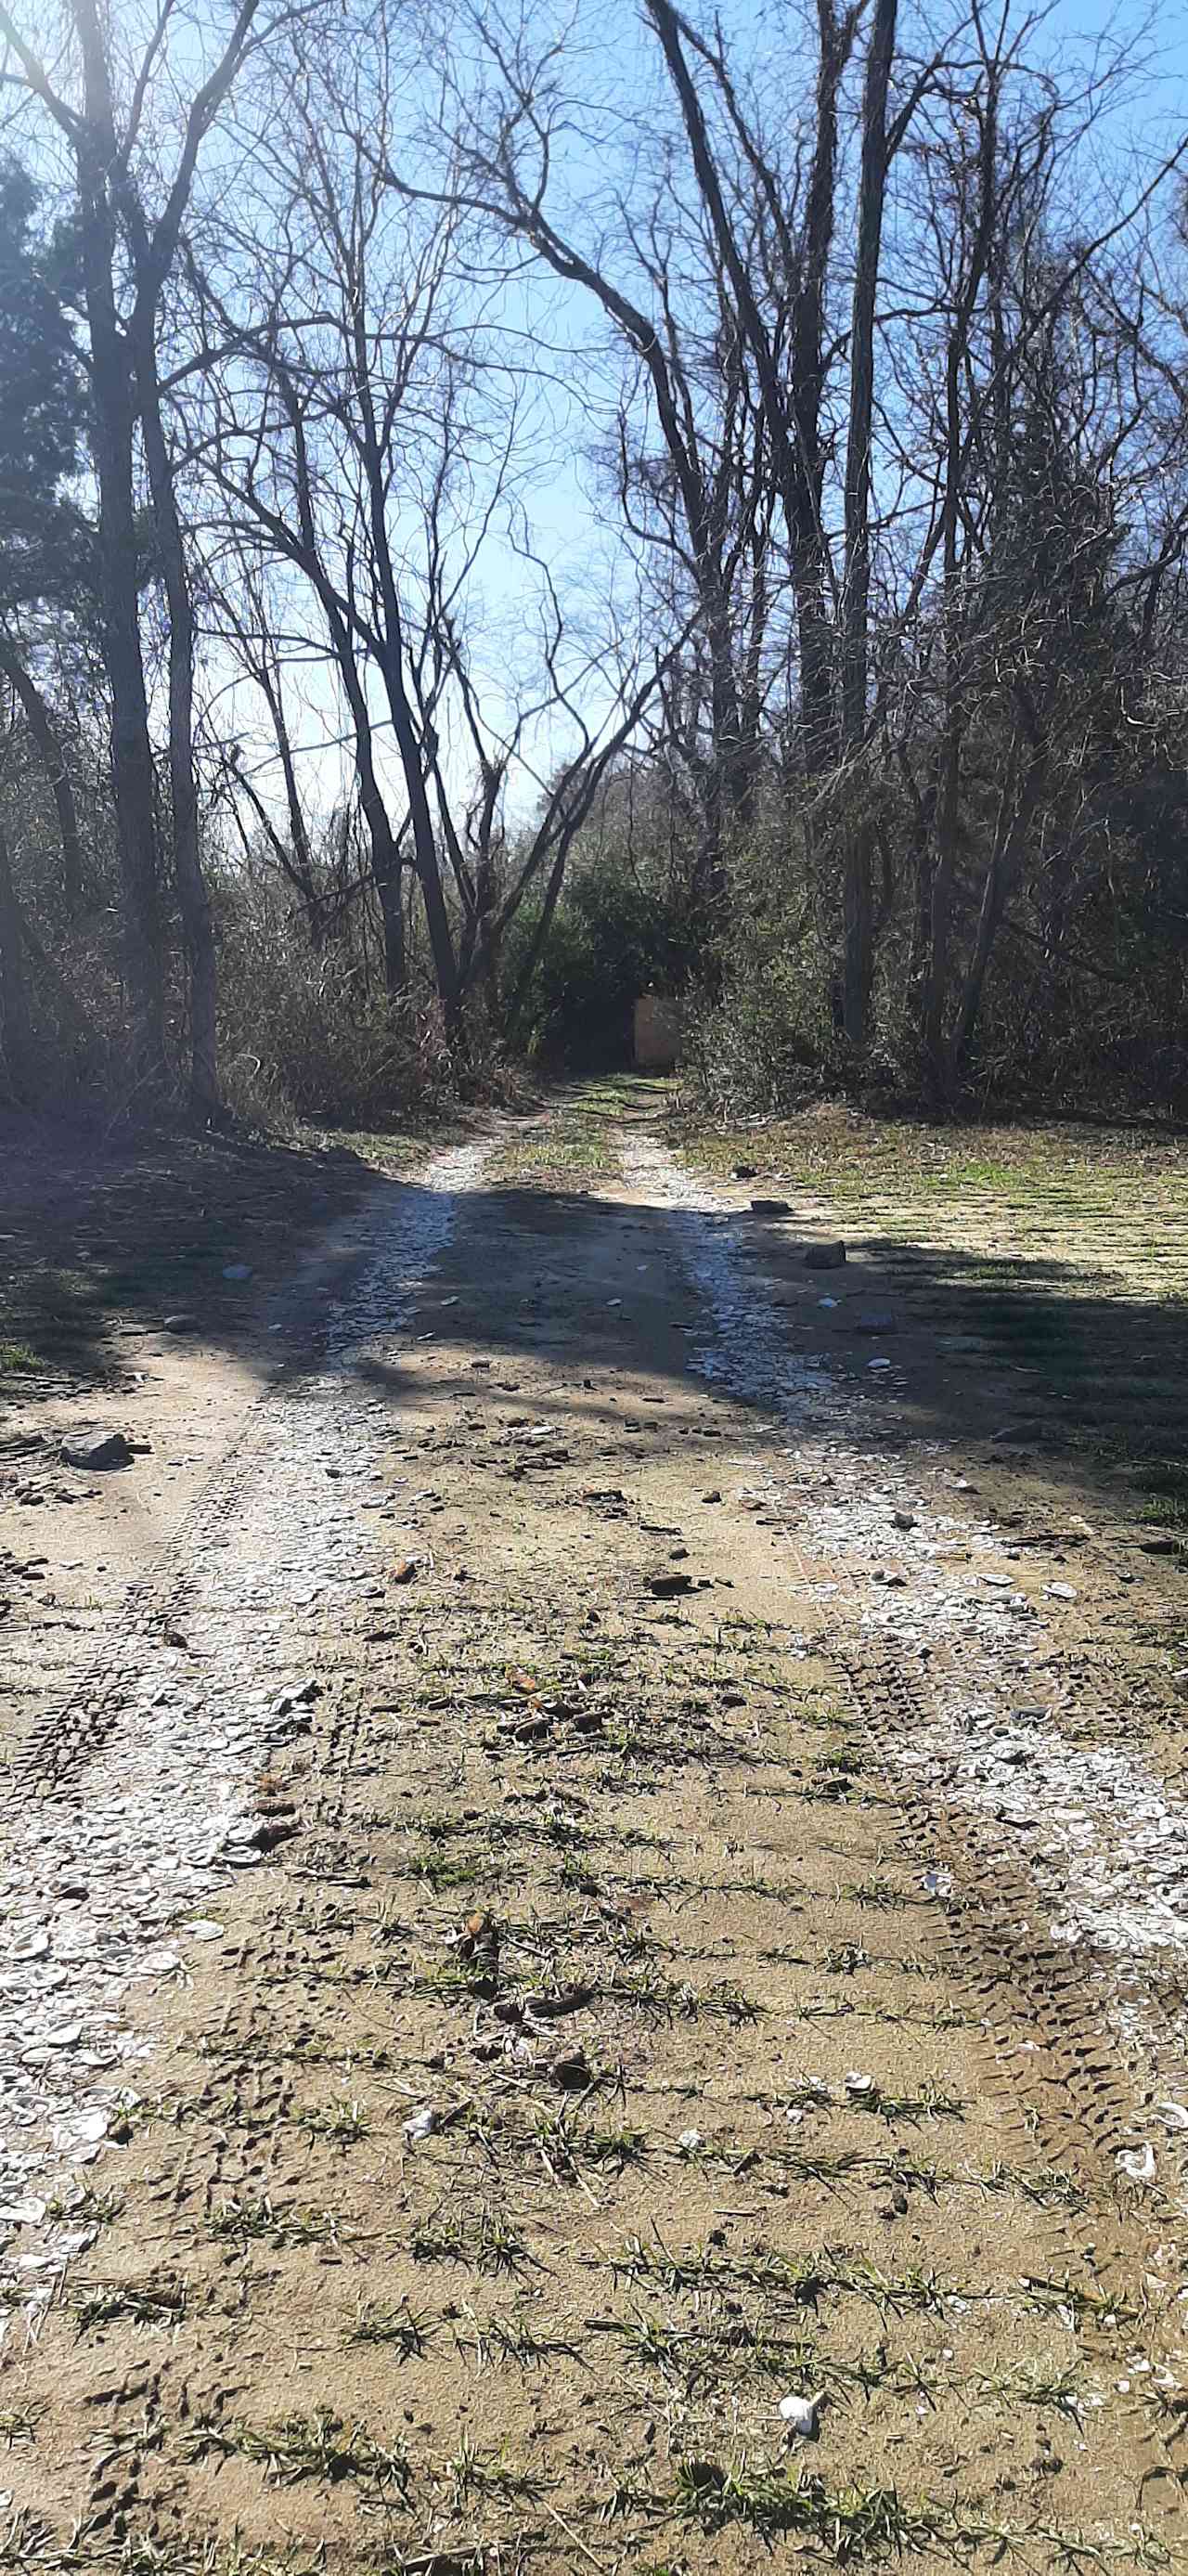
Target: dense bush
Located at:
point(613, 937)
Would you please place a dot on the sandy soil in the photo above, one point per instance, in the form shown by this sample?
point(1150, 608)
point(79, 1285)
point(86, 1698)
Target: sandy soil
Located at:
point(524, 1949)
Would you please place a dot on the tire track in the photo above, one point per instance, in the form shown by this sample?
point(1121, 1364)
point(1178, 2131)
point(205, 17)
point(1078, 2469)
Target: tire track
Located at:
point(135, 1796)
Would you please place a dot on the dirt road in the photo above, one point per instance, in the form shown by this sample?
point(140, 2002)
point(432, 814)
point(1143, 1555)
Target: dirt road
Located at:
point(573, 1993)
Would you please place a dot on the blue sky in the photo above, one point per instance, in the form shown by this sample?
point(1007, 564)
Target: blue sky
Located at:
point(616, 63)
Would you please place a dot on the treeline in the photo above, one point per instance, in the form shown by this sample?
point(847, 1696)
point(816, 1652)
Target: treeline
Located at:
point(492, 517)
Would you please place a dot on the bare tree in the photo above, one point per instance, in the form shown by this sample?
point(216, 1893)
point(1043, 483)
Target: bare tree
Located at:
point(127, 254)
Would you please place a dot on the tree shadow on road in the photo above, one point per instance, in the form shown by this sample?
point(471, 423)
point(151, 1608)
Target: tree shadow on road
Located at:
point(1026, 1360)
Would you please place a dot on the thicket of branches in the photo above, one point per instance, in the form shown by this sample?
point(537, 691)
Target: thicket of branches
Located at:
point(490, 518)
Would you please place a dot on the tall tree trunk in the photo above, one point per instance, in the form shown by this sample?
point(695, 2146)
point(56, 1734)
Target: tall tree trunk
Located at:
point(390, 889)
point(416, 755)
point(53, 759)
point(1017, 808)
point(114, 416)
point(437, 921)
point(858, 972)
point(16, 1020)
point(938, 1055)
point(948, 801)
point(193, 894)
point(792, 417)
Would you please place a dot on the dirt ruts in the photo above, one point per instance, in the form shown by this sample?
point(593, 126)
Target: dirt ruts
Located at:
point(499, 2018)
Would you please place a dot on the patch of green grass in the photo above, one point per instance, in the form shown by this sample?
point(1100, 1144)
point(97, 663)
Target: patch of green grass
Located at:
point(850, 2523)
point(803, 2278)
point(445, 1870)
point(1049, 2186)
point(404, 2330)
point(483, 2238)
point(476, 2473)
point(343, 2123)
point(671, 1999)
point(875, 1891)
point(1165, 1485)
point(1078, 2306)
point(321, 2445)
point(244, 2218)
point(1057, 2392)
point(861, 2524)
point(147, 2303)
point(16, 1359)
point(86, 2207)
point(509, 2336)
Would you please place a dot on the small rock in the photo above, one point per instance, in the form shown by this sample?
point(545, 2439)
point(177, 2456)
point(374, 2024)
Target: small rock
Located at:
point(423, 2124)
point(1060, 1591)
point(1163, 1545)
point(90, 1449)
point(1138, 2162)
point(664, 1586)
point(825, 1256)
point(770, 1207)
point(874, 1319)
point(745, 1171)
point(178, 1323)
point(801, 2415)
point(237, 1270)
point(903, 1520)
point(689, 2141)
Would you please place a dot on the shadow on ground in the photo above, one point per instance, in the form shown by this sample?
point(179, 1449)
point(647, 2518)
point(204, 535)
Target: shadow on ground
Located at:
point(1017, 1361)
point(100, 1241)
point(99, 1245)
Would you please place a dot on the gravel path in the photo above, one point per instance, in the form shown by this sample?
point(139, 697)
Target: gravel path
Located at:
point(513, 2054)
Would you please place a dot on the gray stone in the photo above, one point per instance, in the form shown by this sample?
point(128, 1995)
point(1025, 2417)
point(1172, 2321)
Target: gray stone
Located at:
point(874, 1319)
point(825, 1256)
point(90, 1449)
